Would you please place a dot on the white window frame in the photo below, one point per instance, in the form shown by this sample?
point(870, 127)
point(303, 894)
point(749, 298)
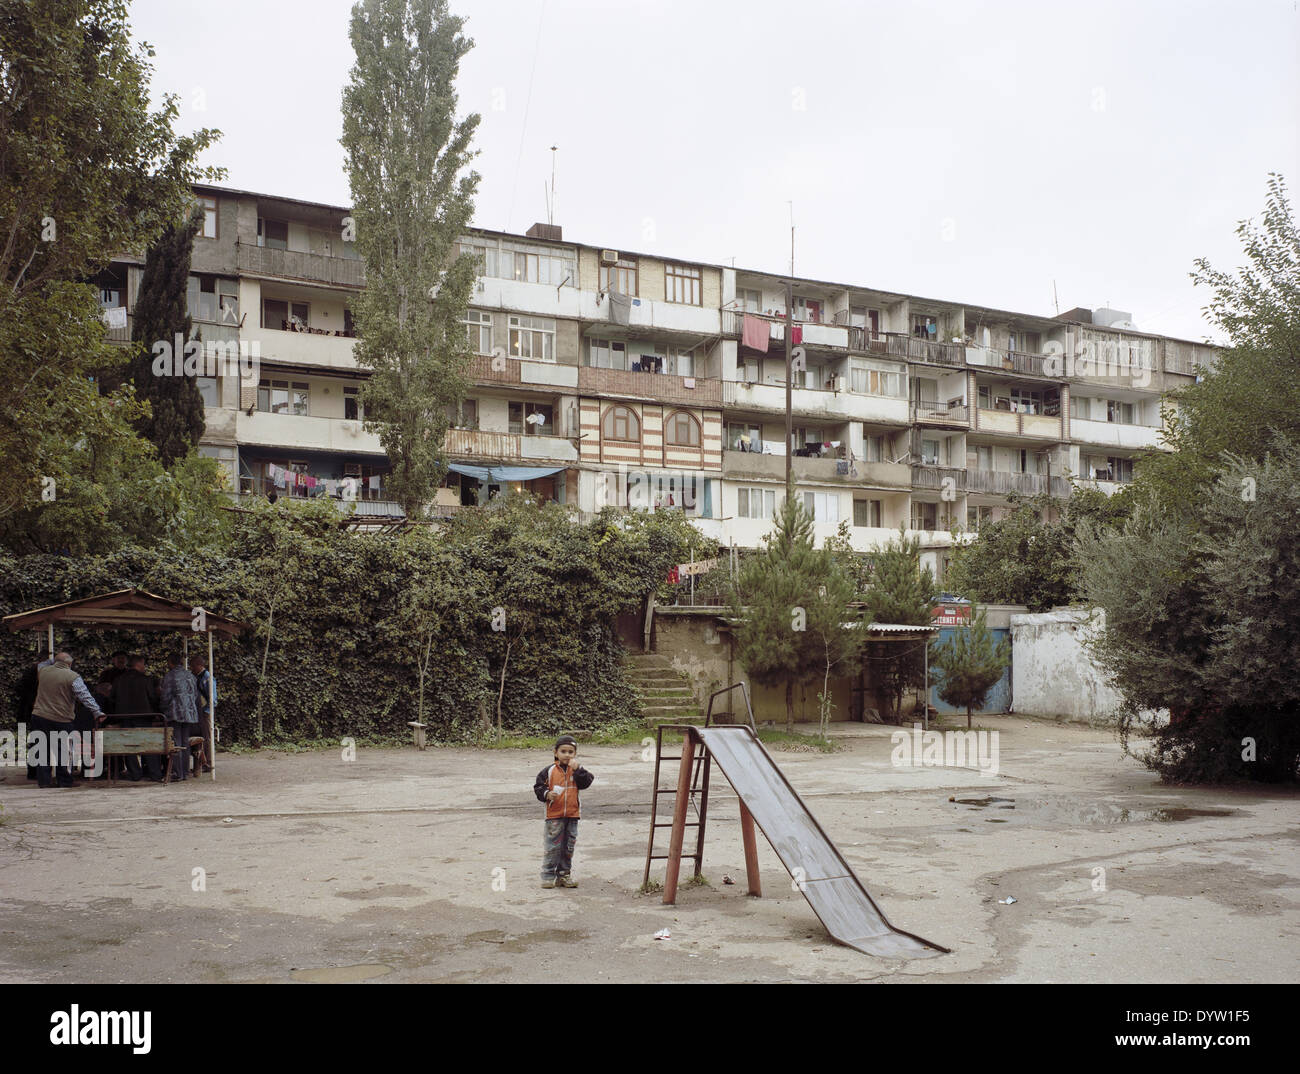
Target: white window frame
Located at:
point(758, 503)
point(824, 506)
point(478, 324)
point(529, 335)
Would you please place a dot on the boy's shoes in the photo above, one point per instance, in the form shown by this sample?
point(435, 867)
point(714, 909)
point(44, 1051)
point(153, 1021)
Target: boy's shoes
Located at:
point(565, 882)
point(548, 883)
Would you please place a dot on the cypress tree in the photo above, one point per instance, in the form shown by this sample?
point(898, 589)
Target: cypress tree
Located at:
point(901, 592)
point(175, 422)
point(969, 664)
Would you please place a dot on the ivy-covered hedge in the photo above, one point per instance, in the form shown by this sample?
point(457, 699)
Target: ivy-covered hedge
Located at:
point(350, 617)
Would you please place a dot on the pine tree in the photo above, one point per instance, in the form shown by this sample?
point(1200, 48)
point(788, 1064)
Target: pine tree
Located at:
point(901, 592)
point(790, 603)
point(969, 664)
point(405, 152)
point(175, 422)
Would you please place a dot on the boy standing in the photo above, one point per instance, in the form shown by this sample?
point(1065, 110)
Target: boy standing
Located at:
point(557, 785)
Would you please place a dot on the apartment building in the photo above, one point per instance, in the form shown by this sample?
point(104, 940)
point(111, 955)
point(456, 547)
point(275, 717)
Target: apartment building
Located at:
point(607, 377)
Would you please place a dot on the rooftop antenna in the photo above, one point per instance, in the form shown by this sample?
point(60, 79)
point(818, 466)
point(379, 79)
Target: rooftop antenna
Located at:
point(1056, 301)
point(550, 202)
point(791, 204)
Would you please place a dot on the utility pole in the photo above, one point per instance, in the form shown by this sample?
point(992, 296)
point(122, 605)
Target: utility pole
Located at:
point(789, 383)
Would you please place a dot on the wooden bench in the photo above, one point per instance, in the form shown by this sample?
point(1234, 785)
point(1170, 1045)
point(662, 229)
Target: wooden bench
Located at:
point(128, 741)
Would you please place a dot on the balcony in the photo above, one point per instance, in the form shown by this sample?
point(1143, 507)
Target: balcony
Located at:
point(1114, 434)
point(934, 477)
point(477, 443)
point(290, 431)
point(652, 387)
point(940, 414)
point(923, 350)
point(300, 265)
point(548, 376)
point(751, 466)
point(814, 402)
point(998, 483)
point(816, 334)
point(303, 348)
point(1015, 423)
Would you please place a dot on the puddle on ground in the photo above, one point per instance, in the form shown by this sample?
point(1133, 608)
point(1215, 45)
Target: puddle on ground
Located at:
point(1065, 811)
point(366, 971)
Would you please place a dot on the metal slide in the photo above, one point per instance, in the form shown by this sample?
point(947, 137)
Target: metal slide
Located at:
point(832, 889)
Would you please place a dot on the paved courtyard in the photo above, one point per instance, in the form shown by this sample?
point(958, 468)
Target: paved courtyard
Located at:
point(408, 866)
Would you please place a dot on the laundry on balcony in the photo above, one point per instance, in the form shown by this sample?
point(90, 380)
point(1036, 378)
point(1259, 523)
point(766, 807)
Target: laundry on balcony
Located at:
point(498, 475)
point(754, 333)
point(620, 308)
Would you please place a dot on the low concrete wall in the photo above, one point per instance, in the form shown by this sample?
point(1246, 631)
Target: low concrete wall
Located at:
point(1053, 674)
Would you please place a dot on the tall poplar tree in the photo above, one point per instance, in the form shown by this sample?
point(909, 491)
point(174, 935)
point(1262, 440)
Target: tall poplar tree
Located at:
point(405, 154)
point(174, 424)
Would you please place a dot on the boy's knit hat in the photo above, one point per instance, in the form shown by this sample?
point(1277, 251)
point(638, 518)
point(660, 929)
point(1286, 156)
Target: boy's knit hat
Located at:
point(566, 740)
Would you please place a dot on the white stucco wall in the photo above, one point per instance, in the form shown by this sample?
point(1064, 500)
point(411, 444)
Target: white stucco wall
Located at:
point(1052, 673)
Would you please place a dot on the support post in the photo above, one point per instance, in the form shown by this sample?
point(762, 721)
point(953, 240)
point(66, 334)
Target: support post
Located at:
point(50, 639)
point(679, 818)
point(212, 712)
point(751, 852)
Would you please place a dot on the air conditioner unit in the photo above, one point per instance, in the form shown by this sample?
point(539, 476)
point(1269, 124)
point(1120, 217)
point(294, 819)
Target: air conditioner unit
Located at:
point(609, 257)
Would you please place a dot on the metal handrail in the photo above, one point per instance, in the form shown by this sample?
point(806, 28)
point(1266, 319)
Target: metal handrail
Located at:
point(744, 689)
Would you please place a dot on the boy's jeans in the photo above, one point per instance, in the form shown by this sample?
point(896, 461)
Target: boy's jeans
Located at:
point(561, 835)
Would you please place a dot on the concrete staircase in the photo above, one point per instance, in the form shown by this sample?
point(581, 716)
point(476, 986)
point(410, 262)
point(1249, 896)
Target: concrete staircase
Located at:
point(664, 695)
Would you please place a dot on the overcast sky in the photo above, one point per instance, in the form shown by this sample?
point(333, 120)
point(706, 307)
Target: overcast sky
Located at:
point(979, 152)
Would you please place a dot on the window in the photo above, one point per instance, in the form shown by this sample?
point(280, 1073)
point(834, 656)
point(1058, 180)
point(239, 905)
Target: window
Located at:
point(924, 326)
point(607, 353)
point(1024, 401)
point(225, 457)
point(1121, 413)
point(621, 424)
point(208, 390)
point(824, 506)
point(925, 516)
point(352, 408)
point(682, 284)
point(983, 457)
point(1080, 407)
point(749, 299)
point(680, 362)
point(1024, 342)
point(479, 326)
point(753, 373)
point(539, 267)
point(209, 229)
point(861, 317)
point(273, 234)
point(985, 397)
point(464, 417)
point(807, 309)
point(755, 503)
point(485, 256)
point(871, 378)
point(977, 516)
point(201, 297)
point(228, 301)
point(532, 337)
point(742, 437)
point(874, 447)
point(283, 397)
point(867, 513)
point(622, 275)
point(682, 431)
point(1121, 469)
point(277, 313)
point(110, 297)
point(531, 419)
point(930, 452)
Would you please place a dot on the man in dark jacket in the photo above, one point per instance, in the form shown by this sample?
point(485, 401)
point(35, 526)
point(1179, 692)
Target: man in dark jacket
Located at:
point(134, 702)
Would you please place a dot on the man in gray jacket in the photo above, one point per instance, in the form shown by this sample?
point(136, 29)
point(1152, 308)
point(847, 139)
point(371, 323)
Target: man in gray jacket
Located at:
point(180, 704)
point(58, 690)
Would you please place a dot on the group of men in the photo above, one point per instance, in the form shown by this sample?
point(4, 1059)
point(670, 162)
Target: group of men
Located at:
point(133, 698)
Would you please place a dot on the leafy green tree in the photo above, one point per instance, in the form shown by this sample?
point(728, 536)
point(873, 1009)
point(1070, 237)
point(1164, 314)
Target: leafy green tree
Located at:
point(167, 380)
point(405, 152)
point(901, 592)
point(1020, 559)
point(969, 664)
point(86, 171)
point(1201, 586)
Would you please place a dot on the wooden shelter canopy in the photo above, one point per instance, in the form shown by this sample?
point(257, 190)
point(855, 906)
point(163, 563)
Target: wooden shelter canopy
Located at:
point(125, 609)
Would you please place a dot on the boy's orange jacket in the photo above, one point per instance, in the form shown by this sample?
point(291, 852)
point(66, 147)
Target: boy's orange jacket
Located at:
point(556, 775)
